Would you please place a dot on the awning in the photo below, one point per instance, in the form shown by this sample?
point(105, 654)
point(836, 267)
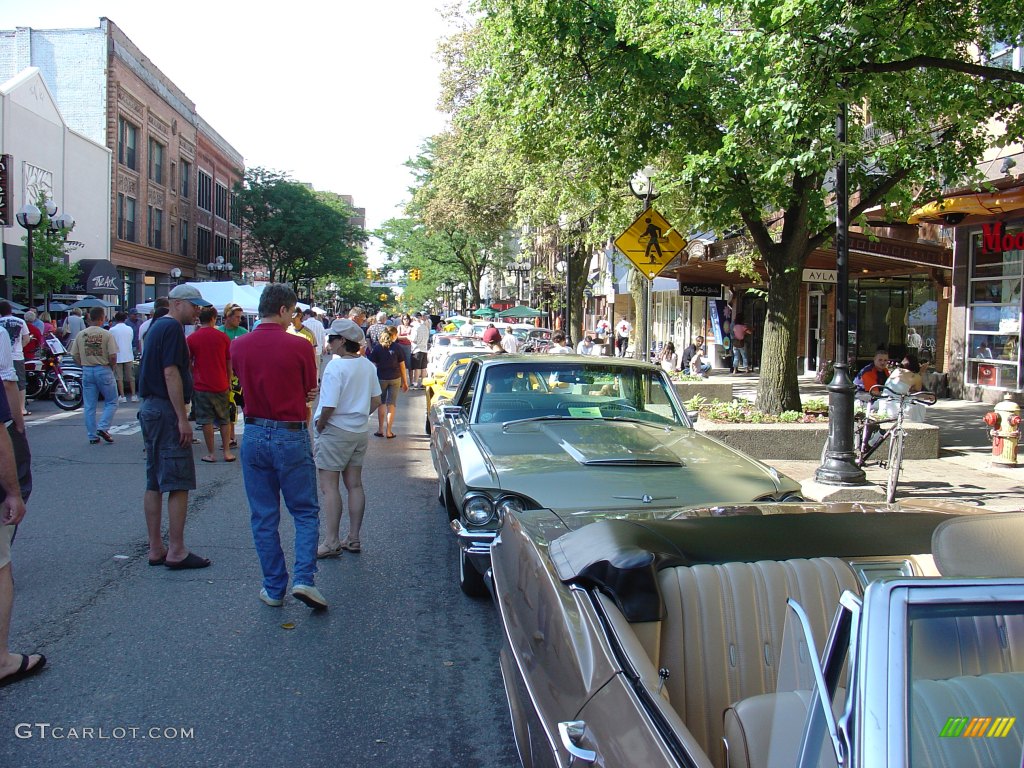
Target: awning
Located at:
point(97, 276)
point(954, 209)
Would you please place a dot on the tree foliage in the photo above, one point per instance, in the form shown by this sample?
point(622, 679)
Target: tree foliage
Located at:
point(295, 232)
point(51, 271)
point(735, 104)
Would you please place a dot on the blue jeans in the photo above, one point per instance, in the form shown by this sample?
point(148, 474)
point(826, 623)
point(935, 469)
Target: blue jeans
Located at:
point(275, 463)
point(739, 355)
point(96, 380)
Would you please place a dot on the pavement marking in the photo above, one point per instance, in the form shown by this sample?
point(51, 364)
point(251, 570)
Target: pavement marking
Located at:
point(48, 419)
point(126, 429)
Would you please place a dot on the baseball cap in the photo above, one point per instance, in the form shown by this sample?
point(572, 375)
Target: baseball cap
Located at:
point(231, 307)
point(188, 293)
point(347, 330)
point(492, 335)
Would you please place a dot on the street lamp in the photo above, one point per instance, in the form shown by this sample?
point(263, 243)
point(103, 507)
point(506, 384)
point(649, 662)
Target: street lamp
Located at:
point(518, 270)
point(642, 187)
point(220, 267)
point(562, 268)
point(176, 275)
point(30, 217)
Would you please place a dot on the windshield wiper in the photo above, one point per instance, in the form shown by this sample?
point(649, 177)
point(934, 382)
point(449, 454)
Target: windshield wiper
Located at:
point(549, 417)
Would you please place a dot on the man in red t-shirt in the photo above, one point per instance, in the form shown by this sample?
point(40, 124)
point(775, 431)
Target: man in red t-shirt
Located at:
point(210, 351)
point(278, 375)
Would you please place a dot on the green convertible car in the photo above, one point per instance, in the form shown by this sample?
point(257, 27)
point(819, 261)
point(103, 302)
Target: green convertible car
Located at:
point(576, 434)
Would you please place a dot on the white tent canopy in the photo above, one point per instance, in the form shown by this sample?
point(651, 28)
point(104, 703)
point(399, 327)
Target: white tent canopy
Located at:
point(220, 294)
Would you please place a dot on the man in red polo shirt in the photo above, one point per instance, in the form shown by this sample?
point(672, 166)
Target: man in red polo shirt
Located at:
point(210, 351)
point(277, 372)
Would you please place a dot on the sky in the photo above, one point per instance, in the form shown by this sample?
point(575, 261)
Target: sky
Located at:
point(339, 94)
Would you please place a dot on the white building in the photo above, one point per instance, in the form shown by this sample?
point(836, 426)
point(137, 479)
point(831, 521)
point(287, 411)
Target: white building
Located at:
point(40, 154)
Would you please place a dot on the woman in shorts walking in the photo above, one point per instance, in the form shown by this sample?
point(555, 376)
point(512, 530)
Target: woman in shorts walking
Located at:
point(349, 393)
point(391, 373)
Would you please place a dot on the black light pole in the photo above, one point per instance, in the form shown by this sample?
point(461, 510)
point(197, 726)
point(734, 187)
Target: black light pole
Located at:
point(30, 217)
point(648, 195)
point(839, 468)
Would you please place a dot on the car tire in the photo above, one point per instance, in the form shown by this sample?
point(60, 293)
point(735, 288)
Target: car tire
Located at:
point(440, 492)
point(471, 582)
point(426, 427)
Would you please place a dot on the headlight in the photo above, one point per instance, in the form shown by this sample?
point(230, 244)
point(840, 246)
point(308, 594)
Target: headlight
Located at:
point(508, 505)
point(478, 509)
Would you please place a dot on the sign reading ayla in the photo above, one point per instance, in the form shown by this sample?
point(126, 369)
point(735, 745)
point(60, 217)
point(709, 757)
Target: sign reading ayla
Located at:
point(650, 243)
point(995, 239)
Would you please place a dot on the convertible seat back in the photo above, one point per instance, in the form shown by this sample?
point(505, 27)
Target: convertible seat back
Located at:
point(721, 638)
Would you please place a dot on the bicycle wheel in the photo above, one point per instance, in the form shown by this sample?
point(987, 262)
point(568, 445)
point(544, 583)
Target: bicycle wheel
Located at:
point(895, 464)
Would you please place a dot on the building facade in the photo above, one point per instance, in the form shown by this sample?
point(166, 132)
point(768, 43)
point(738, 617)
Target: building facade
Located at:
point(171, 176)
point(41, 156)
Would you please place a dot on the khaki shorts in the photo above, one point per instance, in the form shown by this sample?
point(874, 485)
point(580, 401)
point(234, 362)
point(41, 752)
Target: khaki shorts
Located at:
point(124, 372)
point(337, 449)
point(6, 536)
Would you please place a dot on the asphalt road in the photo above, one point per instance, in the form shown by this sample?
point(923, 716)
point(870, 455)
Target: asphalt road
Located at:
point(402, 670)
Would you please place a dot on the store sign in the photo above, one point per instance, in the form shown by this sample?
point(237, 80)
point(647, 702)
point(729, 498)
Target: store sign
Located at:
point(710, 290)
point(820, 276)
point(994, 239)
point(6, 217)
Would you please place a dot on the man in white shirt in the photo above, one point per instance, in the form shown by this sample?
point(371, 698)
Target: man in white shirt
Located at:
point(587, 346)
point(420, 338)
point(466, 329)
point(313, 324)
point(509, 342)
point(124, 368)
point(18, 333)
point(622, 330)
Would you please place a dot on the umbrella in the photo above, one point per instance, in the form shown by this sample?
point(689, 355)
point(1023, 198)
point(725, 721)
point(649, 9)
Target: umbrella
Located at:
point(484, 312)
point(91, 301)
point(521, 311)
point(53, 306)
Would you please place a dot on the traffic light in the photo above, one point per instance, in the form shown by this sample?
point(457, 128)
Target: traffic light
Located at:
point(415, 274)
point(383, 297)
point(371, 275)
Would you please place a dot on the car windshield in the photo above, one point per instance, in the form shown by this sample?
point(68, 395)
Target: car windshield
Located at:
point(529, 390)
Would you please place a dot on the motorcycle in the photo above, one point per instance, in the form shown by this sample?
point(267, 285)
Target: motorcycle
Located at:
point(54, 375)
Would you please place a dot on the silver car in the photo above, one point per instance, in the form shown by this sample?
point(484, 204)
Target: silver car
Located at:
point(576, 434)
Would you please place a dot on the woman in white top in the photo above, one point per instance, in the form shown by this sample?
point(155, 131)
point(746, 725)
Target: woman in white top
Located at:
point(349, 393)
point(669, 359)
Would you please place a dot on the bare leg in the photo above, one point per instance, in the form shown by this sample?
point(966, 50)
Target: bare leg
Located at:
point(391, 420)
point(152, 502)
point(120, 385)
point(381, 416)
point(208, 437)
point(9, 662)
point(330, 509)
point(353, 479)
point(225, 440)
point(177, 506)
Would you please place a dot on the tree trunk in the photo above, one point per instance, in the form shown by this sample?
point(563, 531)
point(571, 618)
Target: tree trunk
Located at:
point(637, 289)
point(777, 389)
point(580, 271)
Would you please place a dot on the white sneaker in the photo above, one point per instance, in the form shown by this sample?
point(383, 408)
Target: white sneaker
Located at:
point(309, 595)
point(122, 399)
point(273, 602)
point(135, 398)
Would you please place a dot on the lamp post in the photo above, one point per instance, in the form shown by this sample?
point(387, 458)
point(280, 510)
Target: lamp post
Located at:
point(30, 217)
point(518, 269)
point(220, 267)
point(176, 275)
point(562, 268)
point(839, 468)
point(644, 190)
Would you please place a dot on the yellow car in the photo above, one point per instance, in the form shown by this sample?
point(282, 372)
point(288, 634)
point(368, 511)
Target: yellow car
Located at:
point(444, 384)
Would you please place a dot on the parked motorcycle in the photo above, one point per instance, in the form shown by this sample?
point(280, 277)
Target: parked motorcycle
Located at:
point(54, 375)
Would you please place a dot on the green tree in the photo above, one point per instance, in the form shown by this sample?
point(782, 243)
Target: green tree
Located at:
point(735, 104)
point(51, 271)
point(294, 232)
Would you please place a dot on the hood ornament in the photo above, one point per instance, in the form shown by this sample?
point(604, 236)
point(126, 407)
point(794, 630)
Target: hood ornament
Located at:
point(646, 498)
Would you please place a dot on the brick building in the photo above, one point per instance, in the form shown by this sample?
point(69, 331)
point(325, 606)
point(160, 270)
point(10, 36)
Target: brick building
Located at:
point(172, 174)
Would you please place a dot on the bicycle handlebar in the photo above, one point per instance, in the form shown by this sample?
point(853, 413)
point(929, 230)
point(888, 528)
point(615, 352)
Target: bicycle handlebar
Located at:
point(879, 392)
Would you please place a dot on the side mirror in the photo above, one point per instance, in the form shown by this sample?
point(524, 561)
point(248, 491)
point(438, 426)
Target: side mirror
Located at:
point(694, 415)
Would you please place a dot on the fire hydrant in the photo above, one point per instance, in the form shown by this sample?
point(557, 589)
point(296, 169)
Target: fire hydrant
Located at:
point(1005, 432)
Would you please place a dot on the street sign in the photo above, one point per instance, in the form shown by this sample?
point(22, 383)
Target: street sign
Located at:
point(820, 275)
point(709, 290)
point(650, 243)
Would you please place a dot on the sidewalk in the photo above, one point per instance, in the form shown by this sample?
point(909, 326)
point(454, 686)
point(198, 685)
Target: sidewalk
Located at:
point(964, 473)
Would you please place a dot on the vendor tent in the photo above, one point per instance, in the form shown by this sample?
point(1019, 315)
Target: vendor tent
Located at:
point(521, 311)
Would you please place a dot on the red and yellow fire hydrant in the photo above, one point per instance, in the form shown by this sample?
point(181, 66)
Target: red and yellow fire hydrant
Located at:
point(1005, 432)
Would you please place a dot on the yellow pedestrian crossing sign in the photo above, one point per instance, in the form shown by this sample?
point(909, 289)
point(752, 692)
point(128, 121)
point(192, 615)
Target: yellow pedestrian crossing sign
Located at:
point(650, 243)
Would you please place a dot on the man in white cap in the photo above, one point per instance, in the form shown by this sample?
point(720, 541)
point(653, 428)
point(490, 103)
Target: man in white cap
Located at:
point(165, 385)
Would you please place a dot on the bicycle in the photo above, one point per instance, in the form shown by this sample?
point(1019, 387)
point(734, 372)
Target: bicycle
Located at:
point(870, 432)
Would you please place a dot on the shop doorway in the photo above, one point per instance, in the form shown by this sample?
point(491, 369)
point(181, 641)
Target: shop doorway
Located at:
point(816, 330)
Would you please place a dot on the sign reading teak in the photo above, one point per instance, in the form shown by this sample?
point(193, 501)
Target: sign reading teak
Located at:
point(650, 243)
point(820, 275)
point(6, 219)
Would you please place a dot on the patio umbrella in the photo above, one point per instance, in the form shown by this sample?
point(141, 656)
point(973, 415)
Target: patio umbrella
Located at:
point(91, 301)
point(521, 311)
point(54, 306)
point(484, 312)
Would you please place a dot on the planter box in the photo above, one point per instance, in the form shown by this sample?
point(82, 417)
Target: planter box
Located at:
point(803, 442)
point(709, 390)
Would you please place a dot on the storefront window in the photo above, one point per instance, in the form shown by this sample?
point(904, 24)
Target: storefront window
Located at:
point(898, 314)
point(993, 325)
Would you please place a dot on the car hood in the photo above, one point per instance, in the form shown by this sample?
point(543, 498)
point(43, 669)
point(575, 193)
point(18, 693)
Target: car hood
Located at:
point(603, 464)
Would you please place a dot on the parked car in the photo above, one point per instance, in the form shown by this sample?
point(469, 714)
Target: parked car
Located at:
point(710, 637)
point(572, 433)
point(442, 386)
point(442, 345)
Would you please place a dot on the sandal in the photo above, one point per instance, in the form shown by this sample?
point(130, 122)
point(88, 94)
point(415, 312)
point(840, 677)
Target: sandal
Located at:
point(325, 552)
point(351, 546)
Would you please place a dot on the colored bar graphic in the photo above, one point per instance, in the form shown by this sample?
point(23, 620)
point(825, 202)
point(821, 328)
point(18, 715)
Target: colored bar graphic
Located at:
point(977, 727)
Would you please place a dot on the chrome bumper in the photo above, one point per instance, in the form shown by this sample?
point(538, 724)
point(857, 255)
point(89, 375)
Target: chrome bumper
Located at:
point(476, 544)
